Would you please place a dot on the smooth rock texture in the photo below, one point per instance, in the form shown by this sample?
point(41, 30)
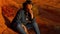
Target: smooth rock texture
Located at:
point(47, 13)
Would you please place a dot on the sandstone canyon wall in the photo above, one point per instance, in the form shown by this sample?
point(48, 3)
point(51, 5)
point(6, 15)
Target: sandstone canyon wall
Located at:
point(47, 13)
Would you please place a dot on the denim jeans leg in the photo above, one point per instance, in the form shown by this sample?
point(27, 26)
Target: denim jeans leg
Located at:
point(20, 29)
point(35, 26)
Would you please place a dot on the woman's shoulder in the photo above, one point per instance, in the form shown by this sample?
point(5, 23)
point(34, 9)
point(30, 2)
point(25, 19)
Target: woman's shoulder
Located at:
point(20, 11)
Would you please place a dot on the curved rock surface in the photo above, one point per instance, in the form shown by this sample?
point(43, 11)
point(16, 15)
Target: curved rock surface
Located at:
point(47, 13)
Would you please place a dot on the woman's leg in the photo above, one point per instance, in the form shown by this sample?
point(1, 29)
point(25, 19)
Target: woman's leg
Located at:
point(35, 26)
point(20, 28)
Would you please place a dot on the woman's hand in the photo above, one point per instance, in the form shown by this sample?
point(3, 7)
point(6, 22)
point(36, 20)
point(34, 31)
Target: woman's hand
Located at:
point(31, 12)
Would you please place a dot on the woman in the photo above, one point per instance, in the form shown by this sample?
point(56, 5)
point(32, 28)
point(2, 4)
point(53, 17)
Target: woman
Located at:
point(25, 17)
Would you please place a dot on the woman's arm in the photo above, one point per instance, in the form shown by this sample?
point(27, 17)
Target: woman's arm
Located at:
point(31, 12)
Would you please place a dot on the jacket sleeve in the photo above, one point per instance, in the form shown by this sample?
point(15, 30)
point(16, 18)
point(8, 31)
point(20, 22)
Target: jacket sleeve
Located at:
point(18, 17)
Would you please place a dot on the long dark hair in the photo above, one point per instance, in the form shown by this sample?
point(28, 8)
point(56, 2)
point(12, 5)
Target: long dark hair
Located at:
point(25, 4)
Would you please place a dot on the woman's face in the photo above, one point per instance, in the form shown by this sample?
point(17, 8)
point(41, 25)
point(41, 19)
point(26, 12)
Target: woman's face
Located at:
point(29, 6)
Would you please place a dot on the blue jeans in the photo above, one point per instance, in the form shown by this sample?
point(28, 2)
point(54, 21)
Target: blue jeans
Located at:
point(34, 25)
